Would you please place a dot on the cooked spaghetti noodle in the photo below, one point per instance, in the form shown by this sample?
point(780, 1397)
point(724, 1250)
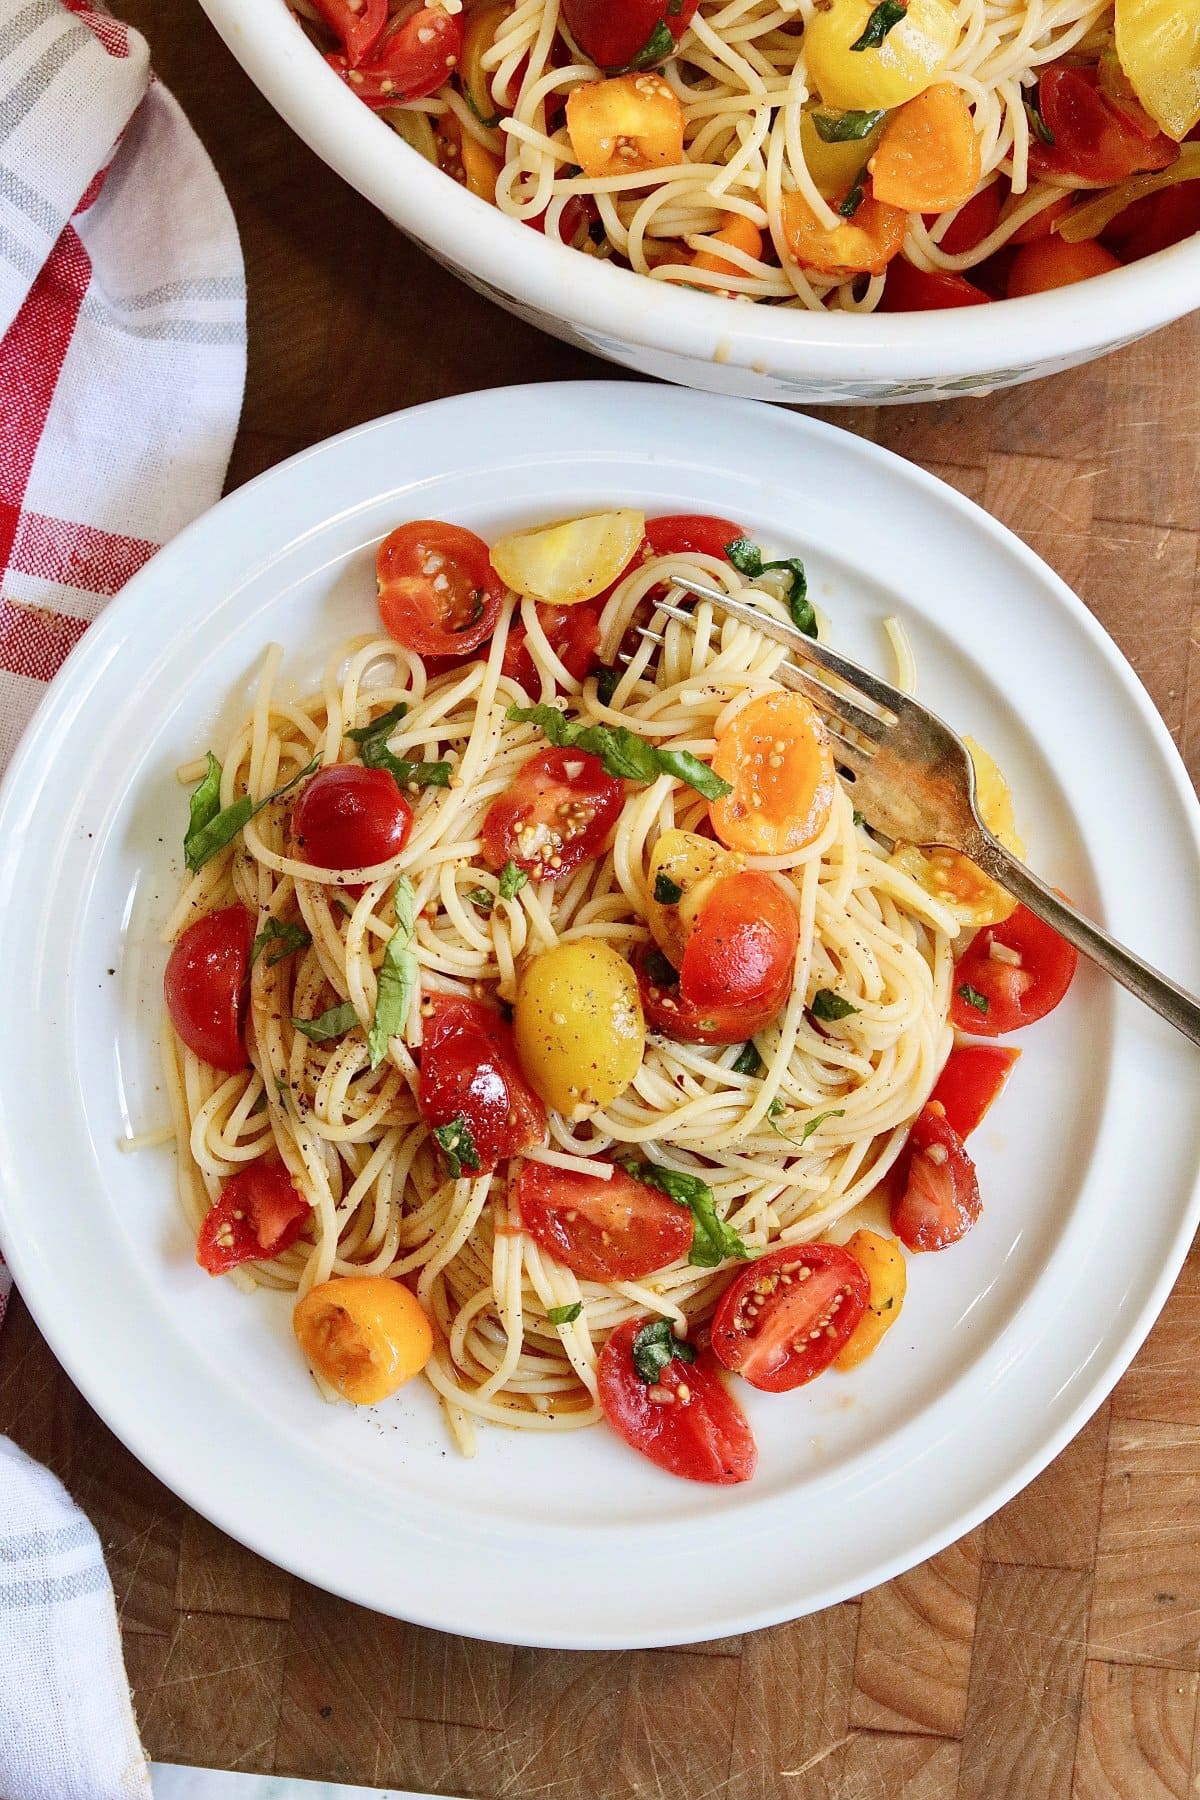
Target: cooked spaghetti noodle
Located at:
point(788, 1150)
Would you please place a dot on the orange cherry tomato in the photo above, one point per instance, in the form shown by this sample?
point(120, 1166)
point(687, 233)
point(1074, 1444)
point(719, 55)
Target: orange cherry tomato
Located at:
point(1053, 263)
point(624, 125)
point(740, 234)
point(438, 592)
point(777, 758)
point(862, 245)
point(365, 1334)
point(928, 159)
point(1042, 223)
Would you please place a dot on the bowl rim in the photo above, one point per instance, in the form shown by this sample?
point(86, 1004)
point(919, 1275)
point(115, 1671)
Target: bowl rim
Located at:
point(618, 306)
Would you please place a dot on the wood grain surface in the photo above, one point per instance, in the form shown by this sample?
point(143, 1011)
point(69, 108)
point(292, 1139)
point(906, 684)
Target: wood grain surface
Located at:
point(1055, 1651)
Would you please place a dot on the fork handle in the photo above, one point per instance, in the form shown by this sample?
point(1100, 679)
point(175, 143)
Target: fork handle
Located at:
point(1174, 1003)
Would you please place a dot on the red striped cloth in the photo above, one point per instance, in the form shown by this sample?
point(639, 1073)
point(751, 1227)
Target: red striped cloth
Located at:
point(122, 333)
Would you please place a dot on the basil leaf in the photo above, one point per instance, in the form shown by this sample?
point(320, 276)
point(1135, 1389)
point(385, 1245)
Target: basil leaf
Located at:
point(376, 755)
point(512, 880)
point(656, 1347)
point(332, 1024)
point(220, 828)
point(973, 997)
point(747, 1061)
point(666, 891)
point(399, 974)
point(625, 755)
point(661, 972)
point(549, 720)
point(381, 728)
point(713, 1240)
point(565, 1315)
point(686, 767)
point(658, 46)
point(1033, 112)
point(204, 805)
point(291, 937)
point(482, 898)
point(885, 17)
point(844, 128)
point(777, 1109)
point(837, 1112)
point(855, 197)
point(827, 1005)
point(747, 559)
point(606, 683)
point(457, 1145)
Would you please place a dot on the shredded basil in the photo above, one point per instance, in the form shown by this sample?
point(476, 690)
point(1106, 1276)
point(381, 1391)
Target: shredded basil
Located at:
point(624, 755)
point(686, 767)
point(747, 559)
point(661, 972)
point(457, 1145)
point(565, 1315)
point(713, 1239)
point(481, 898)
point(777, 1109)
point(399, 976)
point(372, 747)
point(973, 997)
point(606, 683)
point(211, 826)
point(885, 17)
point(658, 46)
point(828, 1006)
point(512, 880)
point(380, 729)
point(666, 891)
point(1033, 112)
point(855, 197)
point(289, 937)
point(747, 1060)
point(332, 1024)
point(844, 128)
point(656, 1347)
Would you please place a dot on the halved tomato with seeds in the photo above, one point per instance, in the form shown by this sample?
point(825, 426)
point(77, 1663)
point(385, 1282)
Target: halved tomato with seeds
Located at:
point(605, 1230)
point(438, 592)
point(260, 1213)
point(686, 1420)
point(935, 1191)
point(557, 814)
point(471, 1077)
point(784, 1318)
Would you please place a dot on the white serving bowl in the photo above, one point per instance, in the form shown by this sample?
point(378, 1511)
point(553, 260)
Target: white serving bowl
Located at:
point(726, 346)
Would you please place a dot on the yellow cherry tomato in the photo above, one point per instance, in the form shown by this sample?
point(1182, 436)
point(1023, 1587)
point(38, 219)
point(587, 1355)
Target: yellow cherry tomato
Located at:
point(624, 125)
point(887, 1272)
point(834, 167)
point(366, 1335)
point(911, 55)
point(561, 565)
point(578, 1025)
point(483, 25)
point(1158, 42)
point(683, 861)
point(971, 896)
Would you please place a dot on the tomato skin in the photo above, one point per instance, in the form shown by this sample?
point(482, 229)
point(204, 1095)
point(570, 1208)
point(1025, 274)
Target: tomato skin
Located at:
point(761, 1344)
point(349, 817)
point(614, 33)
point(707, 1438)
point(1017, 995)
point(691, 534)
point(742, 949)
point(469, 1067)
point(573, 633)
point(616, 1230)
point(358, 30)
point(1155, 222)
point(259, 1214)
point(569, 815)
point(672, 1015)
point(420, 49)
point(971, 1082)
point(1092, 141)
point(909, 289)
point(973, 222)
point(935, 1191)
point(205, 985)
point(434, 621)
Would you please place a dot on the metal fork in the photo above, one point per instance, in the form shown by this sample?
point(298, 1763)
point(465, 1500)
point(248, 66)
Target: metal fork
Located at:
point(914, 782)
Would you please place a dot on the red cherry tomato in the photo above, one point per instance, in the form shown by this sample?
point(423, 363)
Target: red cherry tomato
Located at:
point(357, 27)
point(348, 817)
point(1092, 141)
point(935, 1191)
point(469, 1071)
point(700, 1433)
point(259, 1214)
point(616, 1230)
point(1155, 223)
point(742, 950)
point(785, 1317)
point(909, 289)
point(573, 633)
point(974, 221)
point(420, 49)
point(438, 592)
point(205, 985)
point(690, 534)
point(669, 1013)
point(617, 34)
point(557, 814)
point(574, 221)
point(973, 1078)
point(1024, 981)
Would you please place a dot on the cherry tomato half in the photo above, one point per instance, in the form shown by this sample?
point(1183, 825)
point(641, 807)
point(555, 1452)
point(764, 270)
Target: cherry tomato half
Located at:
point(974, 221)
point(909, 289)
point(973, 1078)
point(469, 1070)
point(617, 34)
point(1092, 141)
point(687, 1421)
point(1020, 968)
point(260, 1213)
point(742, 950)
point(557, 814)
point(935, 1191)
point(205, 985)
point(438, 592)
point(357, 27)
point(348, 817)
point(690, 534)
point(419, 50)
point(616, 1230)
point(669, 1013)
point(1155, 222)
point(784, 1318)
point(572, 632)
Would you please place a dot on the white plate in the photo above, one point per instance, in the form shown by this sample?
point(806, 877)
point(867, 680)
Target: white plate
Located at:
point(1007, 1342)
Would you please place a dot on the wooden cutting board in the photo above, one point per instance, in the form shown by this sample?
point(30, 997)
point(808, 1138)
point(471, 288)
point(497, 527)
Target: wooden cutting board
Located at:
point(1055, 1651)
